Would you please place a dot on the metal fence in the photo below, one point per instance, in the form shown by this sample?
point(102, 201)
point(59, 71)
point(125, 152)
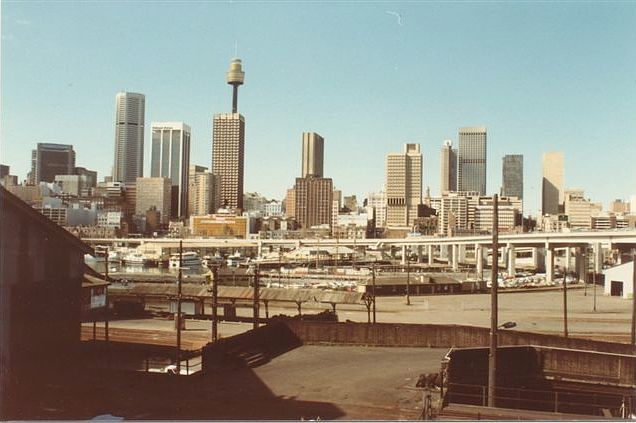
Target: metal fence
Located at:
point(558, 401)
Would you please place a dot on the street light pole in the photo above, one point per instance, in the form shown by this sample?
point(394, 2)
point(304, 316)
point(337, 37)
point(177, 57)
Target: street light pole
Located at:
point(492, 355)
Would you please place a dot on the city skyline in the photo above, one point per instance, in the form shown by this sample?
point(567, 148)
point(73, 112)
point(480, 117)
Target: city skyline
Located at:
point(430, 111)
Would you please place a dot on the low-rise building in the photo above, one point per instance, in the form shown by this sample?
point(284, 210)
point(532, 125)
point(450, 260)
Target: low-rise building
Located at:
point(619, 280)
point(220, 225)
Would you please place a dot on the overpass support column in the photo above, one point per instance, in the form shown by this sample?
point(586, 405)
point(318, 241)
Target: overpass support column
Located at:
point(512, 255)
point(455, 257)
point(479, 259)
point(404, 258)
point(549, 263)
point(535, 258)
point(503, 256)
point(430, 255)
point(462, 253)
point(419, 254)
point(578, 263)
point(568, 258)
point(443, 251)
point(598, 258)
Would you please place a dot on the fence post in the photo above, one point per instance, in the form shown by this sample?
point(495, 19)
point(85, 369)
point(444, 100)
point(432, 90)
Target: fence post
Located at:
point(483, 396)
point(187, 366)
point(147, 364)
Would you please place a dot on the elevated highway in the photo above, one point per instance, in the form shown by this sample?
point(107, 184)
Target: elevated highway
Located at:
point(541, 245)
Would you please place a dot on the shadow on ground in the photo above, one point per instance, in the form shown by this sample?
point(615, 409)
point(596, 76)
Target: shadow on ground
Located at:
point(236, 394)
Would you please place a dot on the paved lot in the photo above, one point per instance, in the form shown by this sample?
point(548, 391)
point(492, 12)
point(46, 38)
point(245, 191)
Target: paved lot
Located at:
point(379, 380)
point(353, 383)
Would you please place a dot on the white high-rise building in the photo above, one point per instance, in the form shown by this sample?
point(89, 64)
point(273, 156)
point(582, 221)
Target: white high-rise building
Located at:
point(403, 185)
point(552, 183)
point(471, 160)
point(377, 201)
point(129, 137)
point(170, 158)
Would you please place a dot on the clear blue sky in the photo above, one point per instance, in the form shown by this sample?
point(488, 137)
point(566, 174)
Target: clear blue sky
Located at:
point(540, 76)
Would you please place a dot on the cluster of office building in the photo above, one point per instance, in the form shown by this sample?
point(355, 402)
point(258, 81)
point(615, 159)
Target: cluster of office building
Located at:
point(181, 198)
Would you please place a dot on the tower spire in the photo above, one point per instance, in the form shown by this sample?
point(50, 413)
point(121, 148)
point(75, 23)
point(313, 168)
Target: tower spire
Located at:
point(235, 77)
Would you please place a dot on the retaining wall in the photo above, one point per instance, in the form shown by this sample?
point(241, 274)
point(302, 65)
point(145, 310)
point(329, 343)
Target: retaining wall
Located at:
point(437, 336)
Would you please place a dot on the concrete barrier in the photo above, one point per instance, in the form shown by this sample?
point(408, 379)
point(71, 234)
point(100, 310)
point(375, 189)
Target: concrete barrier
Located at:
point(437, 336)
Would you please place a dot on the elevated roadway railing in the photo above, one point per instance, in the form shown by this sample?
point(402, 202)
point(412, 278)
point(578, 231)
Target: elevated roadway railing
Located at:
point(531, 239)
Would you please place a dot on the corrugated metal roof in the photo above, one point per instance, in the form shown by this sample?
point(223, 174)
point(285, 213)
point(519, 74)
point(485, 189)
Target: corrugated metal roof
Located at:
point(239, 293)
point(93, 281)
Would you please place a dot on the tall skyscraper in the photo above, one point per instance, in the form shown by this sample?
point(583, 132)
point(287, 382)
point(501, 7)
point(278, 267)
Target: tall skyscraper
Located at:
point(313, 152)
point(403, 185)
point(48, 160)
point(512, 176)
point(471, 160)
point(310, 202)
point(448, 168)
point(552, 183)
point(129, 137)
point(170, 158)
point(228, 145)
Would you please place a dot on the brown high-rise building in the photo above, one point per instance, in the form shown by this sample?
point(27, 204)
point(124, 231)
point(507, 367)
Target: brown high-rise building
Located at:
point(314, 198)
point(49, 160)
point(228, 145)
point(448, 168)
point(290, 203)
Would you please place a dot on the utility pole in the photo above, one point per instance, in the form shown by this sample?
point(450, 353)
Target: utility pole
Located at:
point(373, 282)
point(586, 267)
point(256, 297)
point(179, 308)
point(633, 297)
point(408, 281)
point(106, 270)
point(565, 296)
point(492, 354)
point(215, 300)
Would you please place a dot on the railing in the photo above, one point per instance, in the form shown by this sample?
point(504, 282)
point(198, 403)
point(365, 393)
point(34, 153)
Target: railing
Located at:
point(543, 400)
point(165, 365)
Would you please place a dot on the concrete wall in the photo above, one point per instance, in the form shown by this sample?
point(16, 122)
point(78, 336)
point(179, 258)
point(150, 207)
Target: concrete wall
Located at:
point(436, 336)
point(589, 366)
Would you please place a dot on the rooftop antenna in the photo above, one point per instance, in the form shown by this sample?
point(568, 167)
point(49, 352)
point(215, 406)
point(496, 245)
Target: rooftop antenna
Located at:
point(235, 48)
